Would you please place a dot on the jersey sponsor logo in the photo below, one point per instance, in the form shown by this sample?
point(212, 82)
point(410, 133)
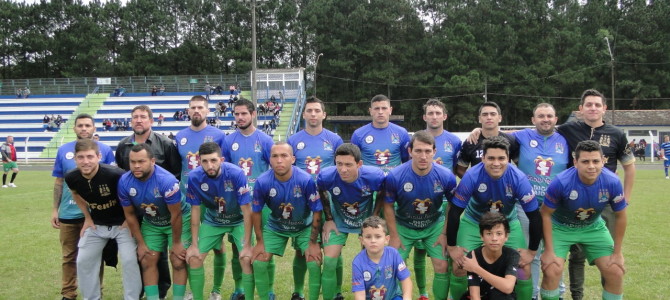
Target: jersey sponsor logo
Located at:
point(257, 147)
point(508, 191)
point(272, 192)
point(336, 191)
point(132, 192)
point(286, 210)
point(172, 191)
point(297, 191)
point(183, 141)
point(532, 143)
point(448, 147)
point(243, 190)
point(395, 138)
point(313, 164)
point(584, 214)
point(378, 293)
point(422, 206)
point(150, 209)
point(560, 149)
point(220, 205)
point(300, 146)
point(482, 187)
point(207, 139)
point(408, 187)
point(573, 195)
point(528, 197)
point(246, 164)
point(365, 191)
point(383, 157)
point(228, 186)
point(327, 146)
point(603, 195)
point(204, 187)
point(235, 146)
point(388, 272)
point(437, 187)
point(367, 276)
point(193, 160)
point(401, 266)
point(369, 139)
point(69, 155)
point(496, 206)
point(543, 166)
point(104, 190)
point(351, 208)
point(604, 140)
point(618, 198)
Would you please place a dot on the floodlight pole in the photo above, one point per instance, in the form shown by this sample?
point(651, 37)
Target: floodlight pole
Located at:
point(253, 53)
point(612, 68)
point(316, 65)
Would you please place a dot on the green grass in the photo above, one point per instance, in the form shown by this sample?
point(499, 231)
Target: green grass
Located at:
point(30, 253)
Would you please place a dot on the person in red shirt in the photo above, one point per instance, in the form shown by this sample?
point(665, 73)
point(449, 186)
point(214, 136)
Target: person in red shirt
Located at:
point(9, 161)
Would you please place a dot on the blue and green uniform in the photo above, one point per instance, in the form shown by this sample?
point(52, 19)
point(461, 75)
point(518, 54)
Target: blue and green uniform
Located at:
point(379, 280)
point(384, 148)
point(314, 153)
point(447, 146)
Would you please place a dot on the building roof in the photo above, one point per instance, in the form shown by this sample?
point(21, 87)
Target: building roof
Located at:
point(659, 117)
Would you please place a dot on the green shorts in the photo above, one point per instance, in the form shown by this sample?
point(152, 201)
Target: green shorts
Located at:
point(275, 242)
point(158, 238)
point(10, 166)
point(469, 238)
point(595, 240)
point(425, 237)
point(337, 239)
point(210, 237)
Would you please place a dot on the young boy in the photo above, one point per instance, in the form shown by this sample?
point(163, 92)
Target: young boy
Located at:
point(377, 268)
point(492, 270)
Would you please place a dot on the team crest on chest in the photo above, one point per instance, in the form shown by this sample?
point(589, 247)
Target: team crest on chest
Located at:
point(286, 210)
point(395, 138)
point(150, 209)
point(132, 192)
point(408, 187)
point(327, 146)
point(183, 141)
point(313, 165)
point(204, 187)
point(273, 192)
point(584, 214)
point(336, 191)
point(382, 157)
point(300, 146)
point(104, 190)
point(369, 139)
point(559, 148)
point(437, 187)
point(246, 164)
point(573, 195)
point(543, 165)
point(235, 146)
point(448, 147)
point(605, 140)
point(482, 187)
point(603, 195)
point(496, 206)
point(69, 155)
point(297, 191)
point(378, 293)
point(257, 147)
point(533, 143)
point(422, 206)
point(351, 208)
point(220, 205)
point(228, 186)
point(193, 160)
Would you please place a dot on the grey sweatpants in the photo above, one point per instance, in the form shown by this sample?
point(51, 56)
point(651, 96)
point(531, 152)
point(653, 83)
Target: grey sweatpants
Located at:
point(89, 259)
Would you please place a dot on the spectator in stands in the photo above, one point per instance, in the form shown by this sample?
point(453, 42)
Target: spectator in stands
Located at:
point(219, 89)
point(171, 136)
point(160, 120)
point(161, 90)
point(218, 123)
point(176, 115)
point(45, 120)
point(19, 93)
point(121, 91)
point(232, 90)
point(96, 138)
point(154, 91)
point(208, 90)
point(281, 98)
point(59, 120)
point(26, 92)
point(126, 124)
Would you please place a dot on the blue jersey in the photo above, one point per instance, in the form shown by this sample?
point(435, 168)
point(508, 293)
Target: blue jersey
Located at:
point(419, 198)
point(151, 197)
point(665, 147)
point(447, 146)
point(378, 280)
point(251, 153)
point(291, 202)
point(314, 152)
point(68, 209)
point(352, 202)
point(221, 196)
point(188, 143)
point(478, 193)
point(384, 148)
point(541, 158)
point(578, 204)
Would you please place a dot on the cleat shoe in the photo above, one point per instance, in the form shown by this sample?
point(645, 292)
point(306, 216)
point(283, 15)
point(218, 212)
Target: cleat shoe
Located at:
point(214, 296)
point(339, 296)
point(5, 186)
point(236, 296)
point(296, 296)
point(423, 297)
point(188, 295)
point(12, 185)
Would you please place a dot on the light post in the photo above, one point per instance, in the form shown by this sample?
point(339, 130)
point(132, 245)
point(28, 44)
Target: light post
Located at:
point(253, 53)
point(316, 64)
point(612, 65)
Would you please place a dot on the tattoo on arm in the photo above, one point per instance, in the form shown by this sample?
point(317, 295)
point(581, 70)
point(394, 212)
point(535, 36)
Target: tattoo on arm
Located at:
point(58, 192)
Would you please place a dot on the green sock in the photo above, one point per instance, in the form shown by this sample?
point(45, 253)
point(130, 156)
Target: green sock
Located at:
point(299, 271)
point(237, 270)
point(420, 271)
point(196, 279)
point(151, 291)
point(314, 280)
point(524, 289)
point(261, 278)
point(248, 285)
point(609, 296)
point(219, 270)
point(339, 270)
point(549, 294)
point(178, 291)
point(440, 285)
point(458, 285)
point(271, 274)
point(328, 278)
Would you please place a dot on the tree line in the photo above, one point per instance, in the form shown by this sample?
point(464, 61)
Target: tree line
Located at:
point(514, 52)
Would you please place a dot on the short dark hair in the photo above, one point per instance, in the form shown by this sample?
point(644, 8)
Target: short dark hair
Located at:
point(374, 222)
point(83, 116)
point(379, 98)
point(198, 98)
point(543, 104)
point(209, 148)
point(348, 149)
point(279, 143)
point(85, 145)
point(422, 136)
point(587, 146)
point(246, 102)
point(143, 146)
point(490, 104)
point(314, 99)
point(434, 102)
point(491, 219)
point(592, 92)
point(496, 142)
point(143, 108)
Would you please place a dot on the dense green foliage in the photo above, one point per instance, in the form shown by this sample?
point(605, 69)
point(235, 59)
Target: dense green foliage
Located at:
point(516, 52)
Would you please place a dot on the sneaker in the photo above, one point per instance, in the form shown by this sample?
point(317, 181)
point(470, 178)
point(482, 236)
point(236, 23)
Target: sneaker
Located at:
point(214, 296)
point(423, 297)
point(339, 296)
point(188, 295)
point(236, 296)
point(296, 296)
point(667, 177)
point(5, 186)
point(12, 185)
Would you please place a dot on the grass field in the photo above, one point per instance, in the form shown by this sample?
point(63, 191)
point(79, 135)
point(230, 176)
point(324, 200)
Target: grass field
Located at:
point(30, 253)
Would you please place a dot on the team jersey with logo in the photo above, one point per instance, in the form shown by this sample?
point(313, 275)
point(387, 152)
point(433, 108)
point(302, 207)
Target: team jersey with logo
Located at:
point(352, 202)
point(68, 209)
point(378, 280)
point(314, 153)
point(478, 193)
point(541, 158)
point(578, 204)
point(221, 196)
point(250, 153)
point(188, 143)
point(612, 140)
point(447, 146)
point(152, 197)
point(419, 198)
point(100, 193)
point(471, 154)
point(385, 148)
point(291, 202)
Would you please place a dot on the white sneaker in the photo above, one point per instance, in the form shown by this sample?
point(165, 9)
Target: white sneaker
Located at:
point(4, 186)
point(188, 295)
point(666, 177)
point(214, 296)
point(12, 185)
